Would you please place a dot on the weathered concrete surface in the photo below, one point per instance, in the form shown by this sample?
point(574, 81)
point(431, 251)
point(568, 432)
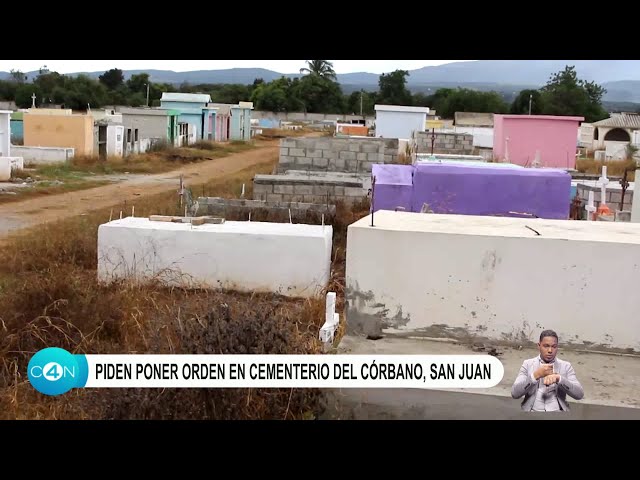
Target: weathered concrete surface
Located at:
point(611, 384)
point(504, 279)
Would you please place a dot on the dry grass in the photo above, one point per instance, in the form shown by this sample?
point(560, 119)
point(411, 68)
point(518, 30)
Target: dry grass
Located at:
point(614, 168)
point(404, 159)
point(160, 161)
point(77, 174)
point(49, 296)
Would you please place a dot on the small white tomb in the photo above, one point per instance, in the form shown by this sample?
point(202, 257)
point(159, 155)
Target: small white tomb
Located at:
point(288, 259)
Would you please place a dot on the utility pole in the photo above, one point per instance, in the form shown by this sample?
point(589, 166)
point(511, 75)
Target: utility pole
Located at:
point(530, 98)
point(361, 93)
point(147, 94)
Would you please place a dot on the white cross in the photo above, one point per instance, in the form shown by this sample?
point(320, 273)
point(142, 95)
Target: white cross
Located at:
point(604, 181)
point(33, 100)
point(332, 319)
point(590, 207)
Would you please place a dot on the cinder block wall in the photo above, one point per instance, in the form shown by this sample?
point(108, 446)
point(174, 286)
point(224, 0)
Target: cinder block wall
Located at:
point(233, 207)
point(336, 154)
point(614, 197)
point(461, 143)
point(311, 189)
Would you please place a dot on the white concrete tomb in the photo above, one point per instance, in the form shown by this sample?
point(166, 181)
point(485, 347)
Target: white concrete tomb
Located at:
point(497, 278)
point(289, 259)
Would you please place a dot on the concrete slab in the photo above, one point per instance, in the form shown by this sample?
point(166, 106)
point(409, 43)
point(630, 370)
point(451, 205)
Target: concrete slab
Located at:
point(611, 383)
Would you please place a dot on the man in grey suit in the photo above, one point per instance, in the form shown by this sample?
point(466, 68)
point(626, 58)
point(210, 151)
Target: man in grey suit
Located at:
point(545, 381)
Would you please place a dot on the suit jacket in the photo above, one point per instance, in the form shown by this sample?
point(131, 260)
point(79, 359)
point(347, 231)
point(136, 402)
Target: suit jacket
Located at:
point(525, 385)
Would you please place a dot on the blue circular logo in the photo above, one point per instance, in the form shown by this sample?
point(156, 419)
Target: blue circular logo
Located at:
point(53, 371)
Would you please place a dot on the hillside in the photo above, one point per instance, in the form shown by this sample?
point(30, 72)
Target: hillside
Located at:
point(621, 78)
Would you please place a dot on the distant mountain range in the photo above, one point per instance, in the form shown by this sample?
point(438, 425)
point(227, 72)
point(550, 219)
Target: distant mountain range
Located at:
point(621, 78)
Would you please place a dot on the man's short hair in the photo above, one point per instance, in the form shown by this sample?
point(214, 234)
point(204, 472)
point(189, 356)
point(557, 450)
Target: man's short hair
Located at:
point(548, 333)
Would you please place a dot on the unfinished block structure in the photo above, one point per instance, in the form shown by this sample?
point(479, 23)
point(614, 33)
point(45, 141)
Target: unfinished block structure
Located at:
point(335, 154)
point(236, 207)
point(317, 187)
point(445, 142)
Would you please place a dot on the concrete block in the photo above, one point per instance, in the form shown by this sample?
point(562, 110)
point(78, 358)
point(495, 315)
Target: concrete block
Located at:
point(354, 192)
point(303, 189)
point(284, 151)
point(297, 152)
point(344, 155)
point(323, 189)
point(314, 153)
point(339, 147)
point(354, 146)
point(361, 157)
point(375, 157)
point(288, 143)
point(304, 162)
point(369, 147)
point(305, 143)
point(321, 163)
point(339, 165)
point(329, 154)
point(623, 216)
point(286, 189)
point(263, 187)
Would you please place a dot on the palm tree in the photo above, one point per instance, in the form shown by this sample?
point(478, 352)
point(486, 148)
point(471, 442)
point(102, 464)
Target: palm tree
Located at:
point(322, 68)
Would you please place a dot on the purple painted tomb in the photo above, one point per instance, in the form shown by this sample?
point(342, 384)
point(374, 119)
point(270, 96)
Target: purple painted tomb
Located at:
point(487, 190)
point(394, 185)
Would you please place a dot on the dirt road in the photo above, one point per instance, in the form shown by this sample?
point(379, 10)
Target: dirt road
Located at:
point(18, 215)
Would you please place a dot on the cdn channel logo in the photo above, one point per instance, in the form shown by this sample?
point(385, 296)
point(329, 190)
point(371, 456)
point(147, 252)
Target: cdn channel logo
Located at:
point(53, 371)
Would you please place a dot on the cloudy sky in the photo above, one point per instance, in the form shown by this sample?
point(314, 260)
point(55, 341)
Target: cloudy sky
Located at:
point(281, 66)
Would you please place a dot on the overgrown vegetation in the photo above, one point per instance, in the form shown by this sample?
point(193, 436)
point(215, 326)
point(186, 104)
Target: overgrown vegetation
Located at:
point(615, 168)
point(162, 160)
point(49, 296)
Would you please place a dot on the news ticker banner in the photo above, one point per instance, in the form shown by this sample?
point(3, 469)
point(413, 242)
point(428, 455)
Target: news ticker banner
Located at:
point(54, 371)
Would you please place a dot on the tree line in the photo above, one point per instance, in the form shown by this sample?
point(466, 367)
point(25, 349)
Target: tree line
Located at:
point(316, 91)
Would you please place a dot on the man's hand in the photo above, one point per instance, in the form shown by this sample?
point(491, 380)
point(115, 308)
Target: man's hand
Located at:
point(551, 379)
point(543, 371)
